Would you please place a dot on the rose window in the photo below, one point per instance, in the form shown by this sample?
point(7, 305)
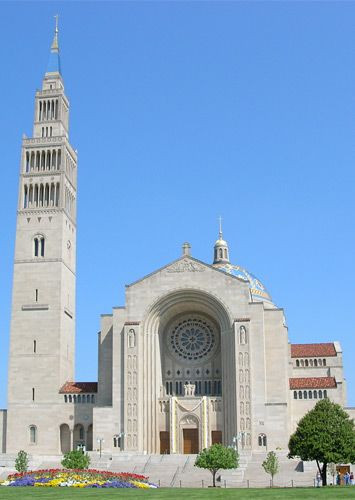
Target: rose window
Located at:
point(193, 338)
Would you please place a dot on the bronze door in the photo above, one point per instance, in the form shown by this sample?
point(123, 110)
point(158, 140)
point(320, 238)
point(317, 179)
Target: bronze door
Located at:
point(216, 437)
point(164, 442)
point(190, 441)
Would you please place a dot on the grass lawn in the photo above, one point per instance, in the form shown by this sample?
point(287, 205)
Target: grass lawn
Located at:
point(188, 493)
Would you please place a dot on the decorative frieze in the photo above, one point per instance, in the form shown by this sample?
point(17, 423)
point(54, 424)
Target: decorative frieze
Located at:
point(185, 266)
point(242, 338)
point(131, 377)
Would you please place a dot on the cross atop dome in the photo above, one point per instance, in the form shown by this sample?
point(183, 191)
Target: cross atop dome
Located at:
point(221, 251)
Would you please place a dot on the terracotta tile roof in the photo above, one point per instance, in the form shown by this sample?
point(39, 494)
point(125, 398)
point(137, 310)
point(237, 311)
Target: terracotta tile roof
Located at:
point(312, 383)
point(78, 387)
point(310, 350)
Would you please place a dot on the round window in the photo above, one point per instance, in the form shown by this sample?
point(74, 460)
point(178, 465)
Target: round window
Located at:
point(192, 338)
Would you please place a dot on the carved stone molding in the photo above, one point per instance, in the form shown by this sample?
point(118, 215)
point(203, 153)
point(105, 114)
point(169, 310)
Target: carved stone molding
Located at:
point(185, 266)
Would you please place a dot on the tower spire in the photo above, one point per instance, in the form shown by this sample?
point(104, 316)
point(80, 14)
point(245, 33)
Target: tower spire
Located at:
point(221, 251)
point(54, 59)
point(55, 45)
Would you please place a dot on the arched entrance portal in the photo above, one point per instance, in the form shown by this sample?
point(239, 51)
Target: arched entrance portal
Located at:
point(79, 437)
point(64, 438)
point(89, 438)
point(189, 432)
point(188, 350)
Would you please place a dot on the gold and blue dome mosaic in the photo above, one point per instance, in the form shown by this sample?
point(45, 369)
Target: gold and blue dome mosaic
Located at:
point(258, 291)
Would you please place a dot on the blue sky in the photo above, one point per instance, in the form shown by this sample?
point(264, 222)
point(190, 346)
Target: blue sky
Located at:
point(182, 111)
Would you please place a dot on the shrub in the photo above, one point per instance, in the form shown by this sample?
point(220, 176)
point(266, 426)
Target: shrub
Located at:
point(21, 462)
point(271, 465)
point(76, 460)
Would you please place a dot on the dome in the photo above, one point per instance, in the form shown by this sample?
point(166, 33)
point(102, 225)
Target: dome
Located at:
point(220, 242)
point(257, 289)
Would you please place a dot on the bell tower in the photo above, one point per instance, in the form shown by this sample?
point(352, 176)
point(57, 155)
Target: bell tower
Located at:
point(42, 337)
point(221, 250)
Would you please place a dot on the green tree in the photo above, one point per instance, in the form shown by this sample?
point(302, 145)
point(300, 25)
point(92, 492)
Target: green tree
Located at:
point(217, 457)
point(76, 460)
point(325, 434)
point(271, 465)
point(21, 462)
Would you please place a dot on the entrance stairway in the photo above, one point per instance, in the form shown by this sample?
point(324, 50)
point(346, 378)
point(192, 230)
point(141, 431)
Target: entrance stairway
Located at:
point(179, 470)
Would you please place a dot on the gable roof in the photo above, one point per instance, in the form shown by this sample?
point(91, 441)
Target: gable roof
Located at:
point(194, 263)
point(310, 350)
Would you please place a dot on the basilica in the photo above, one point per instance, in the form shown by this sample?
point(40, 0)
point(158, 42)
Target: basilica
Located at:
point(198, 354)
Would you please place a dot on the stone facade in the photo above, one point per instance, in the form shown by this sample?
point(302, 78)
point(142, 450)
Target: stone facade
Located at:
point(198, 354)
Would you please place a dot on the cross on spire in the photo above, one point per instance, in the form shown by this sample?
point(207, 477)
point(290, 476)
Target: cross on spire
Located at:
point(220, 228)
point(55, 46)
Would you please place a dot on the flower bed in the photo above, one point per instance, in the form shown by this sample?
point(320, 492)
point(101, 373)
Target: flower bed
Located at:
point(77, 478)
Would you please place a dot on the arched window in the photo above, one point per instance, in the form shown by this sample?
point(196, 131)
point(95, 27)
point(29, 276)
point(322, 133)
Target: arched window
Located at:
point(38, 243)
point(306, 362)
point(36, 247)
point(320, 394)
point(311, 362)
point(27, 162)
point(25, 197)
point(299, 394)
point(33, 434)
point(65, 398)
point(79, 400)
point(297, 362)
point(74, 398)
point(325, 394)
point(324, 362)
point(315, 394)
point(70, 398)
point(294, 394)
point(304, 394)
point(221, 253)
point(81, 433)
point(262, 441)
point(315, 362)
point(309, 394)
point(93, 397)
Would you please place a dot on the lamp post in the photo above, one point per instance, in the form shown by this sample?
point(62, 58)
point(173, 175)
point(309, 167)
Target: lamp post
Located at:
point(100, 441)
